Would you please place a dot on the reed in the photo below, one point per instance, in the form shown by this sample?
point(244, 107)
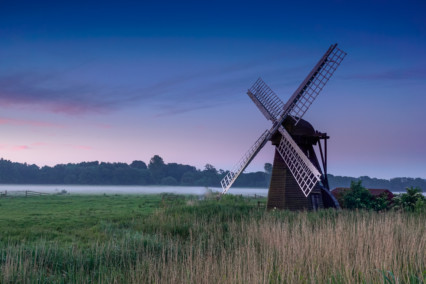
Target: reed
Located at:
point(231, 242)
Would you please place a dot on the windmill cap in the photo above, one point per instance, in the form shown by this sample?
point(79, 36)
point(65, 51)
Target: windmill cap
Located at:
point(303, 130)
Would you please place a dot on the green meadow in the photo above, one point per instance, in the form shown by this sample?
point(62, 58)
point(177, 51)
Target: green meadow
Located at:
point(181, 239)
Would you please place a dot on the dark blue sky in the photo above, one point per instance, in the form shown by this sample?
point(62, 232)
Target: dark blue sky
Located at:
point(124, 80)
point(200, 19)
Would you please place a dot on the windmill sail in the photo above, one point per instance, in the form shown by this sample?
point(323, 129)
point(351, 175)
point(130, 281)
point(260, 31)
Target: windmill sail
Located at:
point(310, 88)
point(231, 176)
point(302, 169)
point(266, 100)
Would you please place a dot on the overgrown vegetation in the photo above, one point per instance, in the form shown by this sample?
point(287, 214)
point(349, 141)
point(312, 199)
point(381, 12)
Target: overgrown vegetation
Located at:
point(177, 239)
point(413, 200)
point(358, 197)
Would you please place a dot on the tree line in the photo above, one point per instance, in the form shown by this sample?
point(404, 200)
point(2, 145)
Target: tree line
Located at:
point(157, 172)
point(393, 184)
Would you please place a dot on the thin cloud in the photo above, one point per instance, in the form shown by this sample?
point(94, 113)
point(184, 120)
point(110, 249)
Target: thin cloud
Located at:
point(53, 93)
point(416, 73)
point(170, 110)
point(182, 89)
point(34, 90)
point(20, 147)
point(81, 147)
point(37, 144)
point(73, 146)
point(21, 122)
point(209, 91)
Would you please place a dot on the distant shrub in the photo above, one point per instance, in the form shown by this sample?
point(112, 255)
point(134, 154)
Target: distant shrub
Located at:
point(381, 202)
point(413, 200)
point(358, 197)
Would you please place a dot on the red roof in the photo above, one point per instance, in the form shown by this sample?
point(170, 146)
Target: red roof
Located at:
point(339, 190)
point(378, 192)
point(374, 191)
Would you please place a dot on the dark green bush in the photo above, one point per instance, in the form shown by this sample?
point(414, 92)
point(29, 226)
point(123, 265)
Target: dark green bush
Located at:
point(358, 197)
point(413, 200)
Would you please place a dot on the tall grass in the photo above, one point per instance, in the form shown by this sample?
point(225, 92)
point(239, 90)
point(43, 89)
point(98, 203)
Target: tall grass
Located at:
point(232, 242)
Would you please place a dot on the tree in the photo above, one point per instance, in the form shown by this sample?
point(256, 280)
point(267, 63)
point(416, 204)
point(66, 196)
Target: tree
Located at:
point(268, 168)
point(210, 169)
point(157, 168)
point(138, 165)
point(177, 170)
point(209, 176)
point(358, 197)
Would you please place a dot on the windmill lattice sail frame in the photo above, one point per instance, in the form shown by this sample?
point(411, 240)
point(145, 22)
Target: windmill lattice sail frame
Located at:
point(266, 100)
point(310, 88)
point(231, 176)
point(303, 171)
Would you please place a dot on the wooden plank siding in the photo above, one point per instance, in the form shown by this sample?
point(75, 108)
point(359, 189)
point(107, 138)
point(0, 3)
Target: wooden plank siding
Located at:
point(284, 192)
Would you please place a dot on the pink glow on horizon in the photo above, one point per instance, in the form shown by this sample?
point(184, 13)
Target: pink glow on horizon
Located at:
point(21, 122)
point(53, 104)
point(20, 148)
point(80, 147)
point(39, 144)
point(104, 125)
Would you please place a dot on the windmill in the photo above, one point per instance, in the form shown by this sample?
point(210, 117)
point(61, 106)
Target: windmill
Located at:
point(297, 180)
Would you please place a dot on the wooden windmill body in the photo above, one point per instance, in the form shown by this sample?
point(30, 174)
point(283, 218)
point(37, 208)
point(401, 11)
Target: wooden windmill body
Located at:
point(284, 191)
point(298, 181)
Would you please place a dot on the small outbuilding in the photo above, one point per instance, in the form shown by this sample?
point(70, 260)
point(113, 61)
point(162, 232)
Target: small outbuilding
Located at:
point(375, 192)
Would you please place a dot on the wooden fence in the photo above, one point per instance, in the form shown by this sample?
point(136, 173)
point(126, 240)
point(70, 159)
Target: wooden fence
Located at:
point(21, 193)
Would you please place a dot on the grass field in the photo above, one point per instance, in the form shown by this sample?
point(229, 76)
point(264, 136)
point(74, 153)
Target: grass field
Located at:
point(144, 239)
